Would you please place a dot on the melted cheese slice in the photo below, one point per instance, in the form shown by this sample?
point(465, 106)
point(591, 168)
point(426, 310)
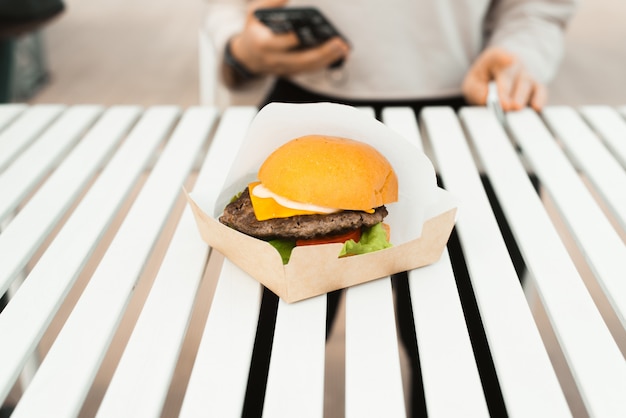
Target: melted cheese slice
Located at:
point(269, 205)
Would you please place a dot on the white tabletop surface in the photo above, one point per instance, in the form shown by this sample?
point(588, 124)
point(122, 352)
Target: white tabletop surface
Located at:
point(105, 273)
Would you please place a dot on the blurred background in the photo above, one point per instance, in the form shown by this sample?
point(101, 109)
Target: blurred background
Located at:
point(146, 52)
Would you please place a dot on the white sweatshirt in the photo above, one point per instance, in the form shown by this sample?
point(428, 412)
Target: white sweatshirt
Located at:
point(416, 49)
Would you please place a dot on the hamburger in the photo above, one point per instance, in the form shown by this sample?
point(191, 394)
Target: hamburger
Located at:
point(318, 189)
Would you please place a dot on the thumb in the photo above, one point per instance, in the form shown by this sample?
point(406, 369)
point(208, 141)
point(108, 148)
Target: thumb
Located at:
point(486, 67)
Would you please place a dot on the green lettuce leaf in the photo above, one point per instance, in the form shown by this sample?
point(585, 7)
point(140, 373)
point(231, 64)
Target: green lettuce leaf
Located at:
point(284, 248)
point(372, 239)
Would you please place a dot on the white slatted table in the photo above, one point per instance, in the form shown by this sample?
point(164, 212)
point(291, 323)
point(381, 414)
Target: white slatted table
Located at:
point(88, 195)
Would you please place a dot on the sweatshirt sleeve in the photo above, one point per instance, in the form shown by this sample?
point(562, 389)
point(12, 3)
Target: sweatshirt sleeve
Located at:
point(224, 18)
point(533, 30)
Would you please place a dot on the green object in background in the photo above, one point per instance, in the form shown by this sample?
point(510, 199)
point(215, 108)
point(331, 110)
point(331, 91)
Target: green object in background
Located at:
point(30, 70)
point(6, 64)
point(23, 69)
point(22, 61)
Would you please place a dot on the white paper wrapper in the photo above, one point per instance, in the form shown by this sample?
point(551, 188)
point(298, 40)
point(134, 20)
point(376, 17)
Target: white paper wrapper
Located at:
point(314, 270)
point(279, 123)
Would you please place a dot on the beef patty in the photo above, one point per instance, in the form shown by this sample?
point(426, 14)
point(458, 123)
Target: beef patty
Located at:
point(239, 215)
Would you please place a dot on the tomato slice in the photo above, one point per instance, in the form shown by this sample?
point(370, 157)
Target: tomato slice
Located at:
point(341, 238)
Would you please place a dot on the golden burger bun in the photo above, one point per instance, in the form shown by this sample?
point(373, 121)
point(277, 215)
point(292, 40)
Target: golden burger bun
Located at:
point(331, 172)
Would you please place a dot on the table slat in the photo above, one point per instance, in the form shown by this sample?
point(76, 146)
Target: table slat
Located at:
point(25, 130)
point(450, 377)
point(217, 383)
point(528, 382)
point(142, 378)
point(52, 143)
point(8, 112)
point(373, 378)
point(295, 383)
point(29, 228)
point(590, 156)
point(595, 360)
point(451, 381)
point(402, 120)
point(40, 158)
point(51, 278)
point(382, 387)
point(610, 126)
point(74, 358)
point(601, 245)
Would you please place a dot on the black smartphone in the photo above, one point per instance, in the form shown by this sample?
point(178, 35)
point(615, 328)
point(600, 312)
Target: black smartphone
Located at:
point(308, 23)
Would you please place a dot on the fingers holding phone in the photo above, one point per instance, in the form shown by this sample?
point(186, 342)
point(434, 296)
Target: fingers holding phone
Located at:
point(316, 58)
point(286, 41)
point(310, 25)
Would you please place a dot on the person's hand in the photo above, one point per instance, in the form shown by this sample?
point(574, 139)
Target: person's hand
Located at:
point(516, 87)
point(263, 52)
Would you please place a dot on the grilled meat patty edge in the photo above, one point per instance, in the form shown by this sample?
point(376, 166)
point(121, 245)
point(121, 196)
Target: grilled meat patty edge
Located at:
point(239, 215)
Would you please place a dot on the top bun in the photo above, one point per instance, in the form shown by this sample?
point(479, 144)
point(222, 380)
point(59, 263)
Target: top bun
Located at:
point(332, 172)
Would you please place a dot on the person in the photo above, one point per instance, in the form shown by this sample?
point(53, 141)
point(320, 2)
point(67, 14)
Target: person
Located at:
point(406, 52)
point(414, 53)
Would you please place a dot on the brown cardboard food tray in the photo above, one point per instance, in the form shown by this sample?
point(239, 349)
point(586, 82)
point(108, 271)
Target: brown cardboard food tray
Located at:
point(421, 221)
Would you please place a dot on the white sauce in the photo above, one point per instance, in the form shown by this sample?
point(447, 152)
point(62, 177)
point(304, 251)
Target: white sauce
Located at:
point(263, 192)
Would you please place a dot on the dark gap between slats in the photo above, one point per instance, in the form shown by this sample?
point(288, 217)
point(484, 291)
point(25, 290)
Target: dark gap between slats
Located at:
point(260, 362)
point(333, 299)
point(478, 339)
point(408, 337)
point(482, 353)
point(6, 407)
point(505, 229)
point(335, 354)
point(262, 351)
point(4, 301)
